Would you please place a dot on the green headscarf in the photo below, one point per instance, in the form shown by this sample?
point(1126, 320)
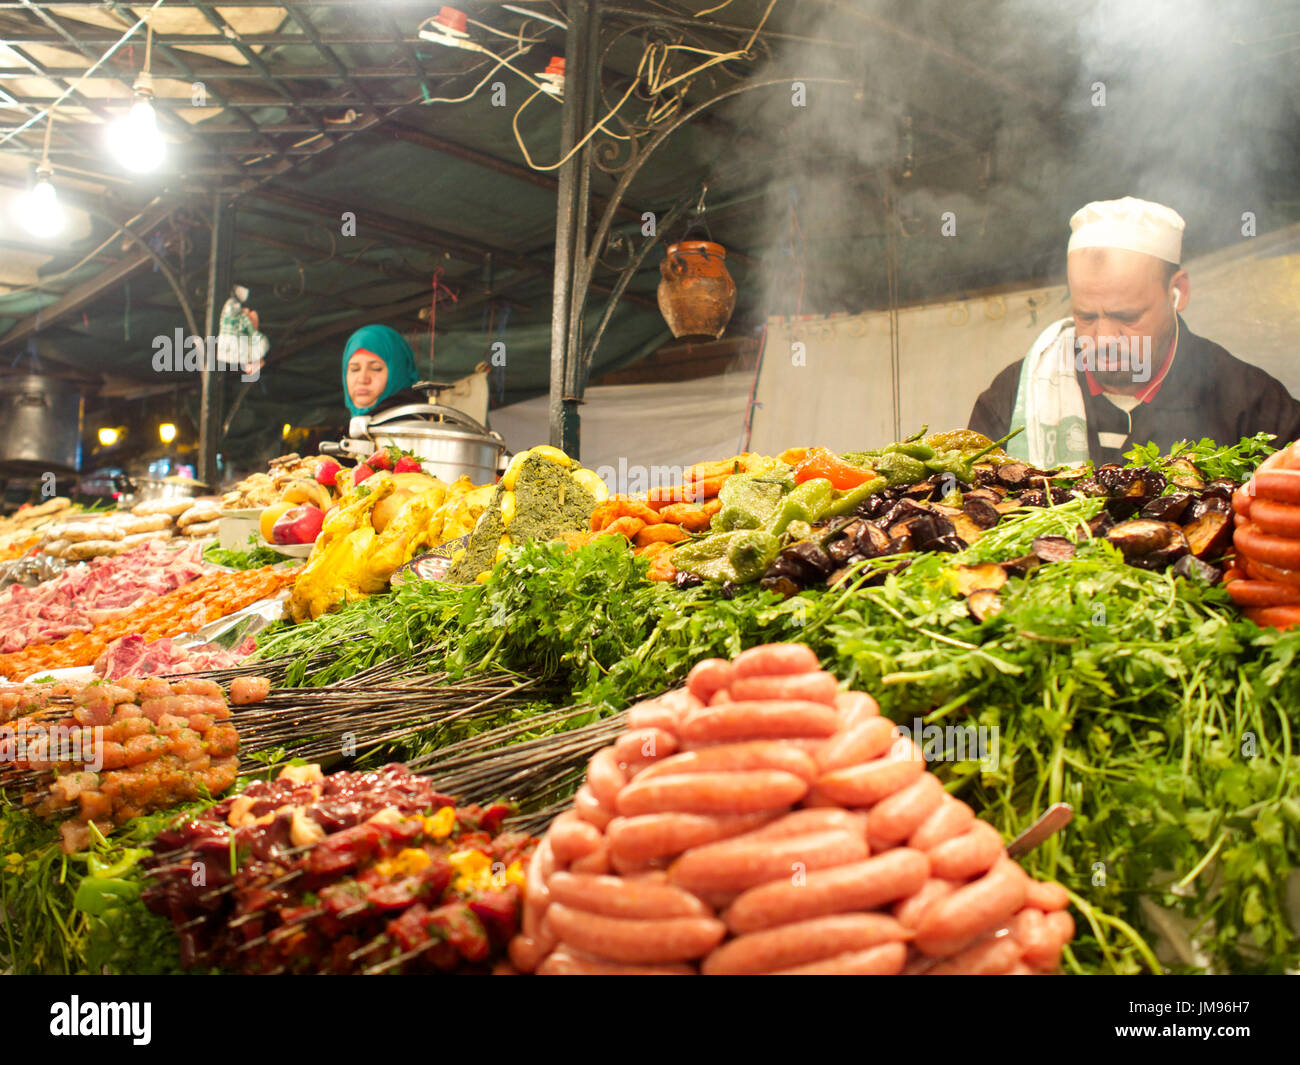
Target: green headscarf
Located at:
point(390, 346)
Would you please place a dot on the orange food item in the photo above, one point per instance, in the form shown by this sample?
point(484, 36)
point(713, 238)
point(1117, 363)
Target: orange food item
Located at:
point(182, 610)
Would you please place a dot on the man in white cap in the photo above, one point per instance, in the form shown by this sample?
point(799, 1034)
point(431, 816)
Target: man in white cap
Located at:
point(1124, 369)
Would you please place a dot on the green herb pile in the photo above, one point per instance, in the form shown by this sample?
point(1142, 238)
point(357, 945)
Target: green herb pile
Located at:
point(255, 557)
point(80, 913)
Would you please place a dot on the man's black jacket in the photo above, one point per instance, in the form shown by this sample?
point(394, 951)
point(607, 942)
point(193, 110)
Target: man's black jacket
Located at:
point(1207, 392)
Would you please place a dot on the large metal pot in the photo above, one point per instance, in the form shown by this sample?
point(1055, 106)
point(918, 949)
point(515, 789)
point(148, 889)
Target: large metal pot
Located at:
point(40, 424)
point(149, 489)
point(449, 443)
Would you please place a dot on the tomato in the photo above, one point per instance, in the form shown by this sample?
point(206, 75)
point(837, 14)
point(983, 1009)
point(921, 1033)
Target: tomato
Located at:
point(820, 463)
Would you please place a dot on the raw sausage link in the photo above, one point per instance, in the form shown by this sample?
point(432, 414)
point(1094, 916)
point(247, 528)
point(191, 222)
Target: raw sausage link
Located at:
point(1038, 946)
point(855, 707)
point(588, 807)
point(572, 838)
point(952, 818)
point(735, 757)
point(802, 943)
point(972, 910)
point(644, 745)
point(595, 862)
point(708, 676)
point(574, 963)
point(866, 785)
point(733, 721)
point(884, 960)
point(613, 896)
point(712, 793)
point(651, 836)
point(911, 911)
point(1046, 895)
point(967, 855)
point(859, 743)
point(605, 777)
point(774, 659)
point(818, 687)
point(897, 817)
point(633, 941)
point(988, 957)
point(653, 714)
point(865, 885)
point(803, 822)
point(737, 864)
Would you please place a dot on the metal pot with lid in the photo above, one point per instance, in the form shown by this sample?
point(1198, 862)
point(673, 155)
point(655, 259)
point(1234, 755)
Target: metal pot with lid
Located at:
point(149, 489)
point(40, 424)
point(448, 442)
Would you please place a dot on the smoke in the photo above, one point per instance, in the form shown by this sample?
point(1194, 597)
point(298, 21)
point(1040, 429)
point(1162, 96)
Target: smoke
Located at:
point(969, 133)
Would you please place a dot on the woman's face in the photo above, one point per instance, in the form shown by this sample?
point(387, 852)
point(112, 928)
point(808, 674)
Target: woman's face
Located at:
point(367, 378)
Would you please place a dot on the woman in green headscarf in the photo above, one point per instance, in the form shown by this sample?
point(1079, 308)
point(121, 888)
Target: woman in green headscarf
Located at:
point(378, 371)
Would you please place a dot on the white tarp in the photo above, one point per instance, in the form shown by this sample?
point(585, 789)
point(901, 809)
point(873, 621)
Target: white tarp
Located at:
point(837, 390)
point(631, 427)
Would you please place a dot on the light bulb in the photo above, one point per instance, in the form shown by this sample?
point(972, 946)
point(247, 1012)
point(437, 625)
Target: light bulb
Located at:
point(108, 436)
point(39, 210)
point(134, 138)
point(167, 432)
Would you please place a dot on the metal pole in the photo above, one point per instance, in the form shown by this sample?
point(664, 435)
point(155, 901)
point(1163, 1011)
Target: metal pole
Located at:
point(570, 228)
point(219, 255)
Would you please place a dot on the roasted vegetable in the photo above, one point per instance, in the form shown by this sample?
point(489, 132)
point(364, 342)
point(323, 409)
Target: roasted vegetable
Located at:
point(1210, 535)
point(1053, 548)
point(1144, 537)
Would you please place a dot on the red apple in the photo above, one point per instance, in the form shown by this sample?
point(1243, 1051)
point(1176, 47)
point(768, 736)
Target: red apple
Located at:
point(329, 470)
point(298, 525)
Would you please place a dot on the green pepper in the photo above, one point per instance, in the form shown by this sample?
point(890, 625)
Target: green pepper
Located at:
point(961, 464)
point(899, 469)
point(98, 895)
point(747, 503)
point(848, 502)
point(740, 556)
point(808, 502)
point(916, 449)
point(98, 868)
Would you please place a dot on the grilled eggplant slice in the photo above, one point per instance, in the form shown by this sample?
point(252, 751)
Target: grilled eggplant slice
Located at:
point(1168, 508)
point(1192, 568)
point(1145, 537)
point(1184, 473)
point(1209, 535)
point(1053, 548)
point(981, 513)
point(983, 604)
point(971, 579)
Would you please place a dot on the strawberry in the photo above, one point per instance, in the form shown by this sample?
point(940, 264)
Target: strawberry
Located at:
point(328, 473)
point(407, 464)
point(361, 473)
point(381, 459)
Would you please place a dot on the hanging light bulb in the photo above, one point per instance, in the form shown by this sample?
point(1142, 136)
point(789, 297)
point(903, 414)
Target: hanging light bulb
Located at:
point(39, 210)
point(108, 436)
point(134, 138)
point(167, 432)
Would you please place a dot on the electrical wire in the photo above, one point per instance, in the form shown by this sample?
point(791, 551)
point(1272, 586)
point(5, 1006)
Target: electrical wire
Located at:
point(514, 125)
point(72, 86)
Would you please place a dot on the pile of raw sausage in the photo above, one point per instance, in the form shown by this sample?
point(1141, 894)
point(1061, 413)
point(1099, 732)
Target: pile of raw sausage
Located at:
point(1265, 578)
point(761, 821)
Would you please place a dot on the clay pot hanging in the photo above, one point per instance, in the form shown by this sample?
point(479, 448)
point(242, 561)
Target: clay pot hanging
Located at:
point(696, 294)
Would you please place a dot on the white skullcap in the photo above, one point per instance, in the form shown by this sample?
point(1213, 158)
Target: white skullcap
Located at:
point(1136, 225)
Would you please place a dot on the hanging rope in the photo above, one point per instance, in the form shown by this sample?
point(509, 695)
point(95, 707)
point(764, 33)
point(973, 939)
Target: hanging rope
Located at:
point(439, 289)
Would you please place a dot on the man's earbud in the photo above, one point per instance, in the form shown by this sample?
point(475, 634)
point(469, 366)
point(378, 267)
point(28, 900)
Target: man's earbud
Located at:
point(1173, 297)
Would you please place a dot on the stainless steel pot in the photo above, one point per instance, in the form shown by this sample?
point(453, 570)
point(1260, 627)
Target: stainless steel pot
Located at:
point(449, 443)
point(148, 489)
point(40, 424)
